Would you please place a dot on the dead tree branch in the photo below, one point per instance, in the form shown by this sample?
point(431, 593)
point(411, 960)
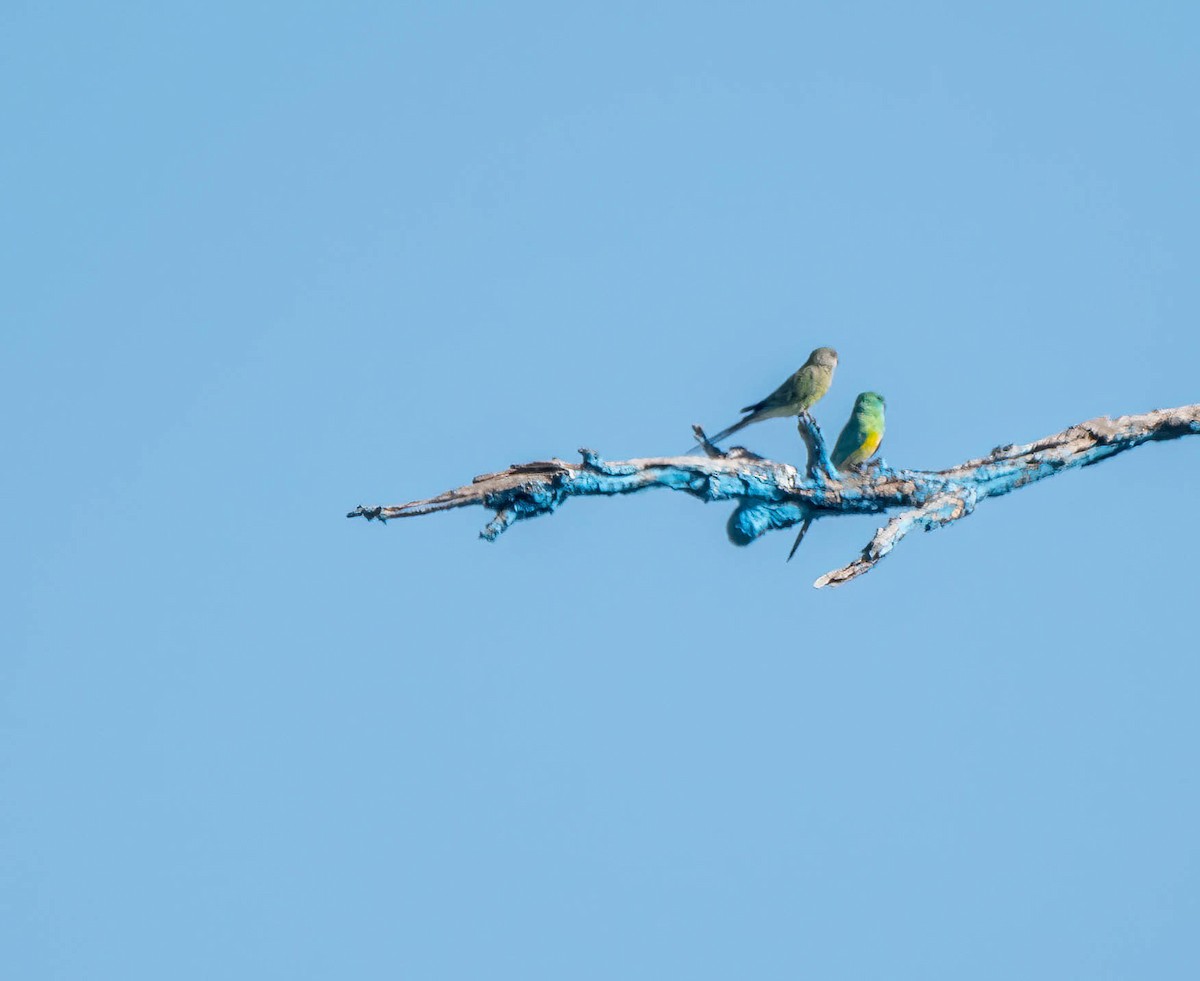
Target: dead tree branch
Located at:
point(770, 495)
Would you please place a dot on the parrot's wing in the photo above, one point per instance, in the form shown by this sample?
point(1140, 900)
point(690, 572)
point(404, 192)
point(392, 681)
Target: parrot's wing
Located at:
point(783, 395)
point(806, 383)
point(849, 440)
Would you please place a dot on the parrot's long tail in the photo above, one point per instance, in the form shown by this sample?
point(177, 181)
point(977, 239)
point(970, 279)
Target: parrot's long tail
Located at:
point(725, 433)
point(800, 537)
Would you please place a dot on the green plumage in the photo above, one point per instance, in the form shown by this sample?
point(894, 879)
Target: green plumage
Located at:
point(862, 435)
point(795, 396)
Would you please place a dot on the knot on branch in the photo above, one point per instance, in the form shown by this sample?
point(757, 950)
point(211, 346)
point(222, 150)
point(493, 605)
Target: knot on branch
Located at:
point(750, 521)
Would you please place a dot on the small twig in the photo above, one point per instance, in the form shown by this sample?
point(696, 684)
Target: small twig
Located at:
point(940, 510)
point(710, 450)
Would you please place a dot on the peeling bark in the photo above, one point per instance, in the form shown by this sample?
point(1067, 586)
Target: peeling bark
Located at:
point(772, 495)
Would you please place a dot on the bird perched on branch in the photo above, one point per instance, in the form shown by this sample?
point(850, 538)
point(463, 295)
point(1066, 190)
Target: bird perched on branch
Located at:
point(795, 396)
point(859, 439)
point(863, 433)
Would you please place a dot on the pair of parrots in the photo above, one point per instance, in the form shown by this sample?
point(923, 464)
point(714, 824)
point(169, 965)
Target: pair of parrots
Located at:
point(860, 437)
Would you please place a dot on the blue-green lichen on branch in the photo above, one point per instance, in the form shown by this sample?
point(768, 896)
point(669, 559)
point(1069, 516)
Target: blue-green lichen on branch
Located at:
point(771, 496)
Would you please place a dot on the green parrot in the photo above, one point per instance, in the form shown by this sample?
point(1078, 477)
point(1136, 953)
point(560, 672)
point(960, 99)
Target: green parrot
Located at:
point(795, 396)
point(862, 434)
point(860, 438)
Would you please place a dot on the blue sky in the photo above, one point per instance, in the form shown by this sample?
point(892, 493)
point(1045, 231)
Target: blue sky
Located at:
point(267, 262)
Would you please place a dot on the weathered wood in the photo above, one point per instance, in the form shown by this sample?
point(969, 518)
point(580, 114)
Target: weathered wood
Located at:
point(771, 495)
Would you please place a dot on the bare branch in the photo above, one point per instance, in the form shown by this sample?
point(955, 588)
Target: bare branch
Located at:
point(938, 511)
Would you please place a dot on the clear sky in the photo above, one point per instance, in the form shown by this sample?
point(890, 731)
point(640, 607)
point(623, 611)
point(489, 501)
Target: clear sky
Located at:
point(265, 262)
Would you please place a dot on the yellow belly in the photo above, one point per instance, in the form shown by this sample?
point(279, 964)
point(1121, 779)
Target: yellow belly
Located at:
point(870, 444)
